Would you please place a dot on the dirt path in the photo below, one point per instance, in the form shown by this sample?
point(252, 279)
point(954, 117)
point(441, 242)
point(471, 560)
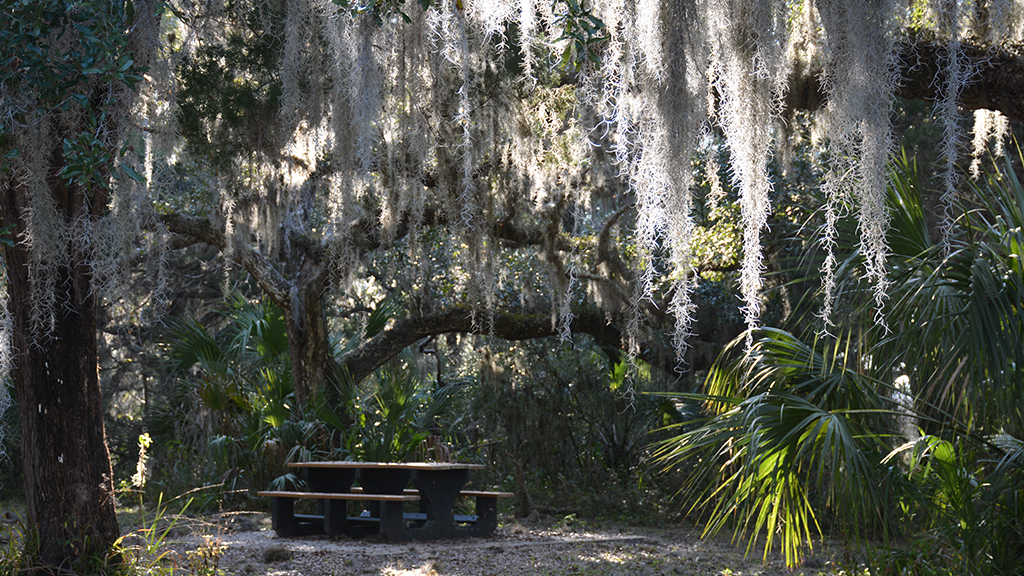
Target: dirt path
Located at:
point(248, 546)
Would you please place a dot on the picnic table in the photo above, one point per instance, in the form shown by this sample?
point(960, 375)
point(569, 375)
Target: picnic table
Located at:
point(384, 490)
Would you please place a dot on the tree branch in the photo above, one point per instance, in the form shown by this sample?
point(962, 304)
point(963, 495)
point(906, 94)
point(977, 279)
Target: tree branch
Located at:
point(997, 84)
point(275, 285)
point(373, 353)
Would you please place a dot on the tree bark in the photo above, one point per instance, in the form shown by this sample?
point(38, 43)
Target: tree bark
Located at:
point(996, 84)
point(301, 299)
point(69, 492)
point(373, 353)
point(308, 340)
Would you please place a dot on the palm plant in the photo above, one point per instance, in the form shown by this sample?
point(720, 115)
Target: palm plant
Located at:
point(794, 431)
point(397, 412)
point(791, 430)
point(959, 315)
point(385, 418)
point(233, 389)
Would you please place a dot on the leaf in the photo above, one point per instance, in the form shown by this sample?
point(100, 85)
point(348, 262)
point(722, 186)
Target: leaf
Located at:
point(133, 174)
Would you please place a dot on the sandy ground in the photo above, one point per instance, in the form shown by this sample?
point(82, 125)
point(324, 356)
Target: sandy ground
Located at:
point(244, 544)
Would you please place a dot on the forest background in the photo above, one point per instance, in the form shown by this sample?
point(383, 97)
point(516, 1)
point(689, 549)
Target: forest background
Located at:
point(588, 244)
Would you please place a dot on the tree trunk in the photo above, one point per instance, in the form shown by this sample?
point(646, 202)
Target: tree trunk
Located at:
point(308, 341)
point(69, 491)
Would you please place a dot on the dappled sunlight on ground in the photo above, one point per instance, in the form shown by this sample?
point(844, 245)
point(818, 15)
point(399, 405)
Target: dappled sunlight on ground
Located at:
point(425, 570)
point(536, 547)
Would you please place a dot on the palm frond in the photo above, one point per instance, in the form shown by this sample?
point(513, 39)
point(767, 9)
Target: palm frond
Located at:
point(804, 433)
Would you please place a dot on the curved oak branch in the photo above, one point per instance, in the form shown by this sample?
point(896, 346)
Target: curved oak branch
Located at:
point(405, 332)
point(996, 84)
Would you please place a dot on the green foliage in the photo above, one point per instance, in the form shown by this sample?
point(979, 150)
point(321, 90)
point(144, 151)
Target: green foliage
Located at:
point(381, 10)
point(582, 32)
point(569, 428)
point(967, 507)
point(222, 108)
point(13, 548)
point(232, 395)
point(959, 310)
point(802, 437)
point(791, 430)
point(231, 423)
point(398, 412)
point(144, 549)
point(34, 63)
point(61, 57)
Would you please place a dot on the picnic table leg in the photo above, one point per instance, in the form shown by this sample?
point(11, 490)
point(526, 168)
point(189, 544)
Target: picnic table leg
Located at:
point(282, 516)
point(382, 482)
point(440, 489)
point(486, 516)
point(335, 513)
point(392, 522)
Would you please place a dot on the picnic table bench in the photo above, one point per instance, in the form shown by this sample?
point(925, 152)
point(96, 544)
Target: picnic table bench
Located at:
point(383, 491)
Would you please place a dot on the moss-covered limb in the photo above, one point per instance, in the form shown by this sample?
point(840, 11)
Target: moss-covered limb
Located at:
point(998, 83)
point(606, 250)
point(511, 326)
point(267, 276)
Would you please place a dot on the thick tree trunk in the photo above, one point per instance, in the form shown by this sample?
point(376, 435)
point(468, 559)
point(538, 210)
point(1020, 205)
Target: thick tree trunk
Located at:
point(308, 342)
point(68, 480)
point(300, 297)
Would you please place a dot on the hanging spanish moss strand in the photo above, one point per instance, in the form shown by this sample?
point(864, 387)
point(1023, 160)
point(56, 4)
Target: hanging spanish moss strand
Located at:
point(874, 216)
point(682, 106)
point(528, 34)
point(355, 125)
point(578, 200)
point(834, 211)
point(357, 103)
point(6, 357)
point(997, 23)
point(1000, 132)
point(842, 137)
point(984, 131)
point(453, 74)
point(343, 182)
point(395, 190)
point(616, 77)
point(365, 93)
point(303, 65)
point(860, 77)
point(646, 173)
point(565, 312)
point(649, 178)
point(493, 15)
point(667, 119)
point(954, 76)
point(448, 26)
point(747, 39)
point(114, 239)
point(716, 193)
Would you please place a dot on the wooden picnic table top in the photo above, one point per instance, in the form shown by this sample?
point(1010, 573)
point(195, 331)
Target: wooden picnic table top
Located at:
point(388, 465)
